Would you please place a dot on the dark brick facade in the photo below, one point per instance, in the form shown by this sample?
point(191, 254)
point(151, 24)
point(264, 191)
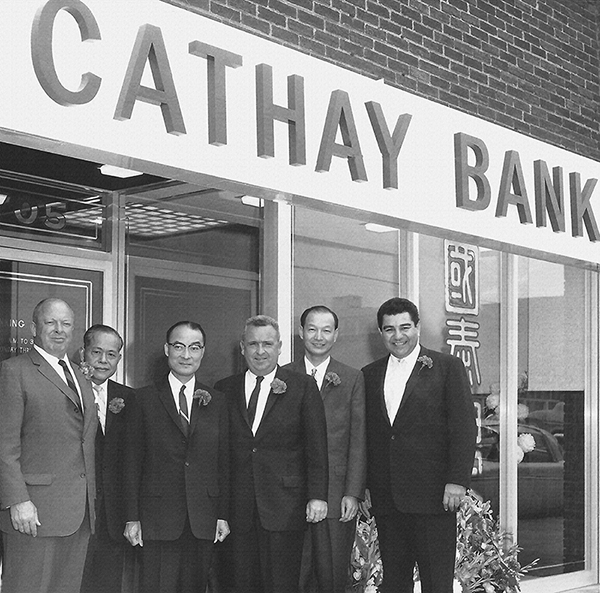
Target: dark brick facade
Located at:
point(529, 65)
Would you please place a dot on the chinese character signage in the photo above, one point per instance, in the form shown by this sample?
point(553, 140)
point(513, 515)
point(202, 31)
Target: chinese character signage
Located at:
point(462, 305)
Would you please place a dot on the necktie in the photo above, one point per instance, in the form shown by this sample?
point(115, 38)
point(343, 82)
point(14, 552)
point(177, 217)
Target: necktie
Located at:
point(254, 401)
point(183, 410)
point(98, 397)
point(68, 376)
point(313, 374)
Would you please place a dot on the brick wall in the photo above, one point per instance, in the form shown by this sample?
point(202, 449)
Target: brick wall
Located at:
point(529, 65)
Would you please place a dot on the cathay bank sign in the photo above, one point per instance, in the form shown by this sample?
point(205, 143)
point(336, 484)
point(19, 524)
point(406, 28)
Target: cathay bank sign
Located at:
point(150, 86)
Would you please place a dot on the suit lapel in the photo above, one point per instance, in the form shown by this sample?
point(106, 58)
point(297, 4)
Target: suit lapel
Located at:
point(49, 373)
point(166, 397)
point(380, 380)
point(410, 384)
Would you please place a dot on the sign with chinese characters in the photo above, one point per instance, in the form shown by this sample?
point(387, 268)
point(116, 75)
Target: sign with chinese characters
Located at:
point(462, 305)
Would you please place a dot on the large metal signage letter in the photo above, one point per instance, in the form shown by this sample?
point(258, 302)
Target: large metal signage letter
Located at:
point(339, 114)
point(549, 196)
point(389, 145)
point(463, 172)
point(512, 178)
point(150, 47)
point(217, 60)
point(43, 57)
point(581, 209)
point(267, 113)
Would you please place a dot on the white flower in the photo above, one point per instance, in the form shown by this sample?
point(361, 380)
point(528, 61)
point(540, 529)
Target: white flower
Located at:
point(357, 574)
point(526, 442)
point(492, 401)
point(520, 454)
point(522, 411)
point(371, 588)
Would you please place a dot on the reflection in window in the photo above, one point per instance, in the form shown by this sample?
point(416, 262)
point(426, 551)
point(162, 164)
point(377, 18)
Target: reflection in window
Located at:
point(551, 358)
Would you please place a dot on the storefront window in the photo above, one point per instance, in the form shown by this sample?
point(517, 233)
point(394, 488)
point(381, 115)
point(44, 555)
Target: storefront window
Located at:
point(551, 481)
point(193, 254)
point(342, 265)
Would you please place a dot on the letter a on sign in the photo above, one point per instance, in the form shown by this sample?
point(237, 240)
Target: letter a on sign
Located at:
point(339, 114)
point(150, 47)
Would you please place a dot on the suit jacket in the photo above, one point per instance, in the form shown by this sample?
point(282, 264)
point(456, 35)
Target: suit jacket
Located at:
point(170, 476)
point(285, 465)
point(346, 436)
point(431, 441)
point(110, 447)
point(46, 445)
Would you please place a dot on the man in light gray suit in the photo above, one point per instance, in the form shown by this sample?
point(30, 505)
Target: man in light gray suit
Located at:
point(328, 545)
point(47, 475)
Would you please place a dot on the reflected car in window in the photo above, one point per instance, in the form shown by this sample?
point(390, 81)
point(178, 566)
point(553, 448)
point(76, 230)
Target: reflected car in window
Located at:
point(540, 473)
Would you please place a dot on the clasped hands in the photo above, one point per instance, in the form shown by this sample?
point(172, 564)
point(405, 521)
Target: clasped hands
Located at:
point(316, 510)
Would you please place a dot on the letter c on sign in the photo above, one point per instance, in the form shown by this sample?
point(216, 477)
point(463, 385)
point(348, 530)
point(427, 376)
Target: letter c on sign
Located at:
point(43, 57)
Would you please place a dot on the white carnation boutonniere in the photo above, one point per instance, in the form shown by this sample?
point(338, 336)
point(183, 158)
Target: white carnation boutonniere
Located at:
point(278, 386)
point(332, 378)
point(202, 396)
point(116, 404)
point(425, 362)
point(87, 370)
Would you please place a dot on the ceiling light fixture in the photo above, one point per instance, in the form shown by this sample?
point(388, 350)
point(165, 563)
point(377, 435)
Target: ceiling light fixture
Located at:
point(118, 171)
point(378, 228)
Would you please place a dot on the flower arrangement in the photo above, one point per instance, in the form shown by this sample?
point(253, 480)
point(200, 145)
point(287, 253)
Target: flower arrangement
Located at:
point(333, 378)
point(486, 560)
point(365, 563)
point(202, 396)
point(116, 404)
point(425, 362)
point(87, 370)
point(278, 386)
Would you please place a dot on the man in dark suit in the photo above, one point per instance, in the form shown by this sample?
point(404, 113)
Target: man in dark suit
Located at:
point(279, 463)
point(328, 544)
point(47, 474)
point(106, 552)
point(421, 436)
point(177, 470)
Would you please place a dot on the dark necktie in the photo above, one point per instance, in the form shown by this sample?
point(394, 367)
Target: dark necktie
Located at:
point(183, 410)
point(68, 376)
point(253, 401)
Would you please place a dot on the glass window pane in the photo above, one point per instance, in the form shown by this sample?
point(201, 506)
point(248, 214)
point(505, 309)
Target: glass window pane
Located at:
point(459, 302)
point(551, 481)
point(342, 265)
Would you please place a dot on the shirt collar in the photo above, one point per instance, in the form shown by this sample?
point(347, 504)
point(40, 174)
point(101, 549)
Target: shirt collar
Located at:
point(176, 384)
point(409, 360)
point(310, 366)
point(268, 378)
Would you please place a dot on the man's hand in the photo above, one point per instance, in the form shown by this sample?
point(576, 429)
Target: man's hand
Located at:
point(316, 510)
point(222, 530)
point(453, 494)
point(133, 533)
point(365, 505)
point(349, 508)
point(24, 517)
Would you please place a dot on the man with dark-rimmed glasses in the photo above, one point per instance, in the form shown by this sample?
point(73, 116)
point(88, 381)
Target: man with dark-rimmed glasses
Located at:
point(177, 470)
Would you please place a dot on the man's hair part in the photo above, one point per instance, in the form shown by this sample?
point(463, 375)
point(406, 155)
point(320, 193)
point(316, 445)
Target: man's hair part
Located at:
point(99, 328)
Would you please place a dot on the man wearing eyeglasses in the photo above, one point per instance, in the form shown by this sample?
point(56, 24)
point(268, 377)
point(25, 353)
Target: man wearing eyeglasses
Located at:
point(177, 470)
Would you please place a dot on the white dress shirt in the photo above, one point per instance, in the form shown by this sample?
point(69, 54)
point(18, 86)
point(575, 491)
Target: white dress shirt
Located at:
point(320, 370)
point(101, 397)
point(396, 377)
point(176, 384)
point(263, 394)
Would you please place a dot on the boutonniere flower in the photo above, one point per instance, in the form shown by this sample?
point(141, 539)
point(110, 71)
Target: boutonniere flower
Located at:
point(116, 404)
point(202, 396)
point(333, 378)
point(425, 362)
point(278, 386)
point(87, 370)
